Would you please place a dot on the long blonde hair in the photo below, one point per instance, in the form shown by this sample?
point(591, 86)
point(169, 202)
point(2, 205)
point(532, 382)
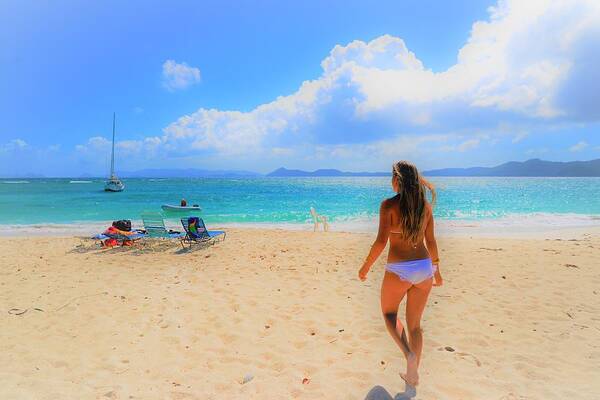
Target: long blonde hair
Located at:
point(411, 196)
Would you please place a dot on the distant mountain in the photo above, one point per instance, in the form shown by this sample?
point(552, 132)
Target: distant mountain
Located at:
point(186, 173)
point(533, 167)
point(283, 172)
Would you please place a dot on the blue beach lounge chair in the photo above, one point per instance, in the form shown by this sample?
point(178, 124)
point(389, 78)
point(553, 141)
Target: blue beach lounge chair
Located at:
point(196, 232)
point(155, 227)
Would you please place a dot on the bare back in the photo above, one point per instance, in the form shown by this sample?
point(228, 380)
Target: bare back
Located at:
point(400, 248)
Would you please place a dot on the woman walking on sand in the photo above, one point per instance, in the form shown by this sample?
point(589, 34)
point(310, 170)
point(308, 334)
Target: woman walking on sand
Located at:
point(407, 221)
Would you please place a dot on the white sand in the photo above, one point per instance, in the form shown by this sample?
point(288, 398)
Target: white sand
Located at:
point(155, 322)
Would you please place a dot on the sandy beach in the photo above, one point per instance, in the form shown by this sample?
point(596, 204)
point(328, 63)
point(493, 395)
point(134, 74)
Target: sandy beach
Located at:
point(284, 311)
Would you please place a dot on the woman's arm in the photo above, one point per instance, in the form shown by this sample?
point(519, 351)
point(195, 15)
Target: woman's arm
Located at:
point(380, 242)
point(431, 244)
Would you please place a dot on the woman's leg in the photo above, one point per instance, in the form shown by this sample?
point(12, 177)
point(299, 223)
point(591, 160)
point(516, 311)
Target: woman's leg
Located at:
point(415, 305)
point(393, 290)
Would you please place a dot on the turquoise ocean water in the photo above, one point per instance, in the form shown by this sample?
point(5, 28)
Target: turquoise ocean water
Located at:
point(287, 200)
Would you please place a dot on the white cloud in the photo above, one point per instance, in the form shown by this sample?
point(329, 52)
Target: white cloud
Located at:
point(402, 146)
point(517, 61)
point(578, 146)
point(513, 69)
point(282, 151)
point(99, 145)
point(468, 145)
point(13, 145)
point(177, 76)
point(457, 143)
point(519, 137)
point(130, 146)
point(98, 142)
point(538, 151)
point(528, 66)
point(18, 143)
point(93, 144)
point(406, 146)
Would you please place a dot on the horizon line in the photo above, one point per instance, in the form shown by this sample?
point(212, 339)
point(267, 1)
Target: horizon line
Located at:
point(221, 173)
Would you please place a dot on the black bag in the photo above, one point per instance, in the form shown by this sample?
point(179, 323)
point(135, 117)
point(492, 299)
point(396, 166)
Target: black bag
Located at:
point(123, 225)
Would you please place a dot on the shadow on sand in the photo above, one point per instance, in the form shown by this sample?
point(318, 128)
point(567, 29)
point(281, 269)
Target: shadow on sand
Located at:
point(379, 393)
point(143, 246)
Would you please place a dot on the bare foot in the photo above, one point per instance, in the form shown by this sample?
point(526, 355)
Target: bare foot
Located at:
point(412, 376)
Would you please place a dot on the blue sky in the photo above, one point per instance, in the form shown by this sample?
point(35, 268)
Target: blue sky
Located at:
point(257, 85)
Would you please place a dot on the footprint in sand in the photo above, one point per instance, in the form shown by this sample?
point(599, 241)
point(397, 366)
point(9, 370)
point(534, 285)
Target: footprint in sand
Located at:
point(463, 355)
point(227, 339)
point(299, 344)
point(277, 366)
point(267, 356)
point(172, 340)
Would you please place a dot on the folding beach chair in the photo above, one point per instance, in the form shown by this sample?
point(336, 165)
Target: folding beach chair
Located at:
point(154, 225)
point(196, 232)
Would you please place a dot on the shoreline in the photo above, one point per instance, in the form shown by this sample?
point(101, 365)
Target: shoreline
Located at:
point(543, 226)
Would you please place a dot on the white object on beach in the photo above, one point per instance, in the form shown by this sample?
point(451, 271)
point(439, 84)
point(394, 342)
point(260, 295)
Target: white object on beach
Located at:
point(247, 378)
point(319, 219)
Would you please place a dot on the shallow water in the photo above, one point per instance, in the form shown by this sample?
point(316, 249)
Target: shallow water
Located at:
point(287, 200)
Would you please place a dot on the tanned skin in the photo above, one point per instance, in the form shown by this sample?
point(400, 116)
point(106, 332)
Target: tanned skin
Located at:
point(394, 289)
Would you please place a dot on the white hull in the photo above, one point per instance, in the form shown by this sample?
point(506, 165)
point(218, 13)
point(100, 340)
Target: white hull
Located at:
point(114, 186)
point(168, 207)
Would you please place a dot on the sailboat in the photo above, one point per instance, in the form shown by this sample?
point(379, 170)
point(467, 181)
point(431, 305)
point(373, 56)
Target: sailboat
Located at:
point(113, 184)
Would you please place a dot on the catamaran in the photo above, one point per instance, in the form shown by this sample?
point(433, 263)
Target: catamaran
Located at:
point(113, 184)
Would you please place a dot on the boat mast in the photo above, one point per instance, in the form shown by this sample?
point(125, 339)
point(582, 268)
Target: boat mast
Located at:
point(112, 155)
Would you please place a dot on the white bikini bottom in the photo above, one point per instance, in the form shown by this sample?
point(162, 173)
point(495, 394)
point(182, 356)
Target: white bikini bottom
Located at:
point(414, 271)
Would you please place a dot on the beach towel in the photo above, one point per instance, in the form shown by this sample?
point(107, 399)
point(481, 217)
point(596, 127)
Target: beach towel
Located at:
point(196, 231)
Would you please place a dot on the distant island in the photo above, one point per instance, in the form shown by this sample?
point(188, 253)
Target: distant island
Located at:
point(530, 168)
